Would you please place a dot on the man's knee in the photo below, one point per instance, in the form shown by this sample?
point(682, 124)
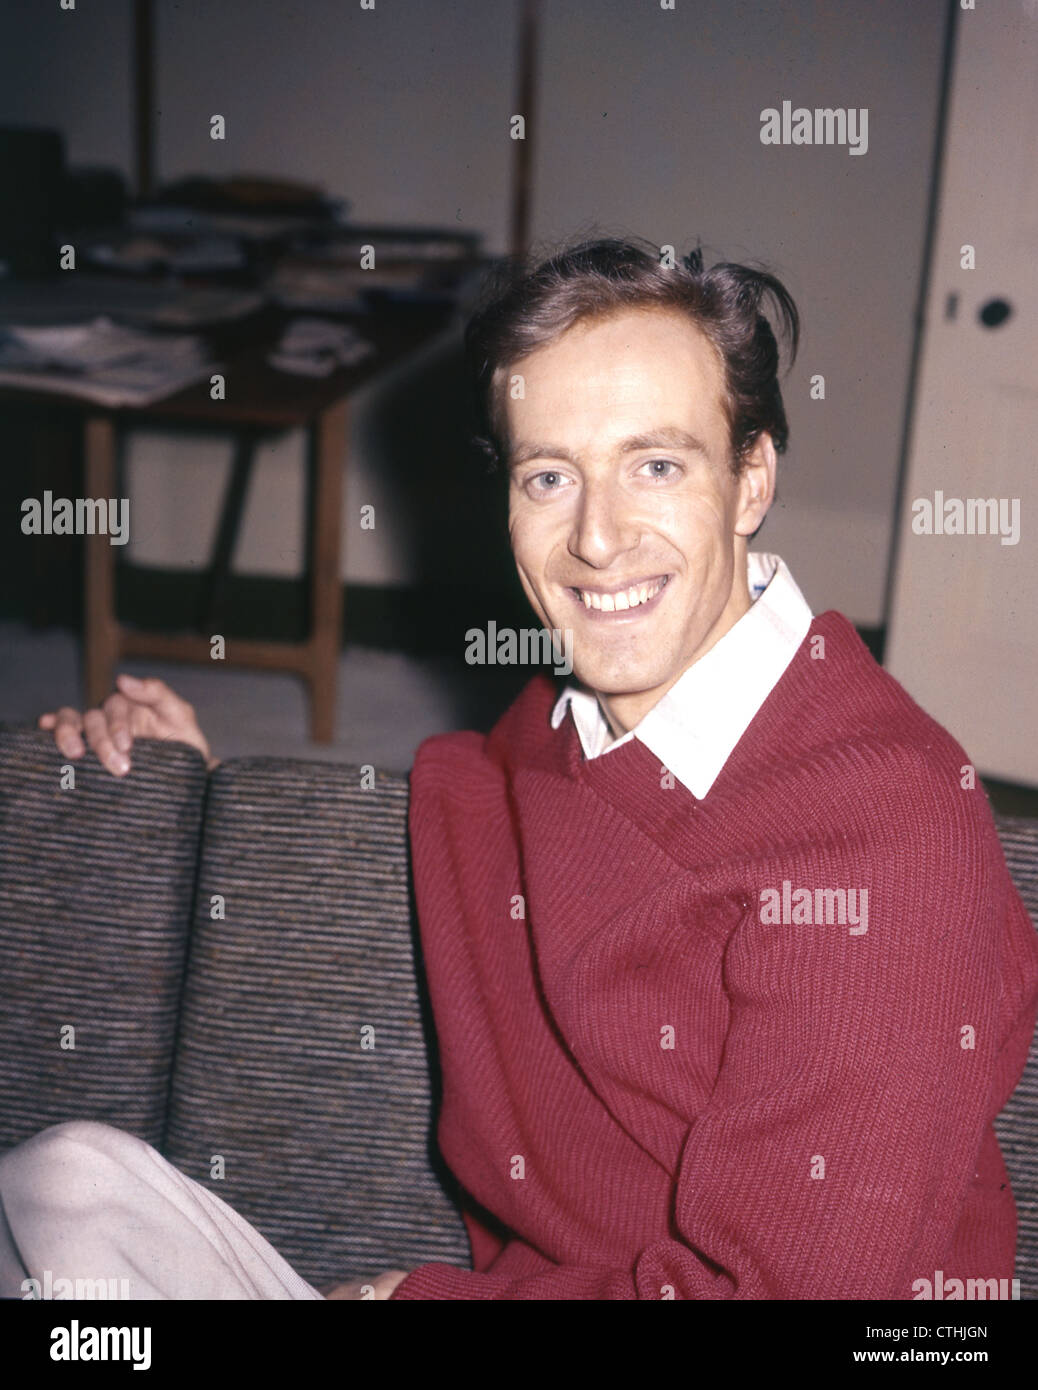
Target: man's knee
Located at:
point(68, 1165)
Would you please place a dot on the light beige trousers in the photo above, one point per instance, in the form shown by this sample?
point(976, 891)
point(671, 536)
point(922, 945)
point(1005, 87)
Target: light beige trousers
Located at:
point(88, 1202)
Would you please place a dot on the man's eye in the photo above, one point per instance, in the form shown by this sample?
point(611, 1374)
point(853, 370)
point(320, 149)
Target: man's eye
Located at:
point(550, 480)
point(659, 468)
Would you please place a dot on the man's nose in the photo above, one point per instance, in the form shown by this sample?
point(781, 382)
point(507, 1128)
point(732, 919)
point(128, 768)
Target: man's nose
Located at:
point(603, 526)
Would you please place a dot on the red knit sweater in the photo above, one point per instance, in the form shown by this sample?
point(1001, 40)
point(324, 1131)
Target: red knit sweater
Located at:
point(659, 1095)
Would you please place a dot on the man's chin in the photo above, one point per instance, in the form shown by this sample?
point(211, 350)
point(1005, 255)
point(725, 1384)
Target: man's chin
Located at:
point(612, 683)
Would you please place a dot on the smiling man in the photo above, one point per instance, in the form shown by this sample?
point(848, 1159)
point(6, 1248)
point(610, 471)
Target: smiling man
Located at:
point(657, 1082)
point(657, 1086)
point(629, 521)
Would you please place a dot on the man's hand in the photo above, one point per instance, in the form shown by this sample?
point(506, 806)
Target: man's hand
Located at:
point(383, 1286)
point(138, 709)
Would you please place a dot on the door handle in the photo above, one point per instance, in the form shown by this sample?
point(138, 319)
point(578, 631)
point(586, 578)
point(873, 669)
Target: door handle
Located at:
point(994, 313)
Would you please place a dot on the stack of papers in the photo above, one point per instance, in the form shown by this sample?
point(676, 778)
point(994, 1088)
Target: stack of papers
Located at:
point(316, 347)
point(83, 297)
point(101, 361)
point(337, 290)
point(198, 255)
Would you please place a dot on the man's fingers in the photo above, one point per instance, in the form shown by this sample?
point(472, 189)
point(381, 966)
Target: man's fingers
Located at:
point(119, 713)
point(95, 726)
point(68, 726)
point(159, 712)
point(151, 691)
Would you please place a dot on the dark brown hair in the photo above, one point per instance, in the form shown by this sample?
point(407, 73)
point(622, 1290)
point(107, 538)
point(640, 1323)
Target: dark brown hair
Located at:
point(528, 306)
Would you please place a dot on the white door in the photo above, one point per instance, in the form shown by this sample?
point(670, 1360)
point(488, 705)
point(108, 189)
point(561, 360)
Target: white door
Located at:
point(963, 624)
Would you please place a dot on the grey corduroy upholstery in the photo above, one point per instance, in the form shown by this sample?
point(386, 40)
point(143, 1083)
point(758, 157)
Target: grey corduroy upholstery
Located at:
point(325, 1142)
point(1017, 1126)
point(95, 910)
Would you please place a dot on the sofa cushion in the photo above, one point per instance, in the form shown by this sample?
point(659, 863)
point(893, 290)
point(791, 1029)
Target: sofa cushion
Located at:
point(323, 1129)
point(1017, 1126)
point(96, 885)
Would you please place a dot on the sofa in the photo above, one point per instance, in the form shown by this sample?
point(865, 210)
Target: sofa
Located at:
point(228, 965)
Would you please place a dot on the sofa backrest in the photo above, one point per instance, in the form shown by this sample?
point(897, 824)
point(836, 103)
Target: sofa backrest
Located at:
point(305, 1048)
point(276, 1047)
point(96, 883)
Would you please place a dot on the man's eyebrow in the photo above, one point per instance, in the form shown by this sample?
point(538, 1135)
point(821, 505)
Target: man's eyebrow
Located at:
point(666, 437)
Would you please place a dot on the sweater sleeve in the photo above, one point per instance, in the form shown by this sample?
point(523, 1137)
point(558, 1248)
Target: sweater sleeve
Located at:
point(860, 1074)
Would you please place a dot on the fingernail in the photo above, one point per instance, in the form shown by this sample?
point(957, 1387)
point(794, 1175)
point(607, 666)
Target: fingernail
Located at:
point(122, 765)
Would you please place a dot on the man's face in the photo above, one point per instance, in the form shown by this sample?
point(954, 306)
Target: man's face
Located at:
point(626, 522)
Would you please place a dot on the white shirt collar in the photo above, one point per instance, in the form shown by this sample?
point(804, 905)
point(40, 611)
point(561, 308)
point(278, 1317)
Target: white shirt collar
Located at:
point(695, 727)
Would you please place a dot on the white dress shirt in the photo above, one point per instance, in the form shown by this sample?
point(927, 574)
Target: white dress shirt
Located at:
point(694, 727)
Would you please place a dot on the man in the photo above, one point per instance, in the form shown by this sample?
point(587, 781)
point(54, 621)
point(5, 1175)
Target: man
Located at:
point(728, 974)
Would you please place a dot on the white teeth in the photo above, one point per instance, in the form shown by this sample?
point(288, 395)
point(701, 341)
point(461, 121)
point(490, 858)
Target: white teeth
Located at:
point(623, 598)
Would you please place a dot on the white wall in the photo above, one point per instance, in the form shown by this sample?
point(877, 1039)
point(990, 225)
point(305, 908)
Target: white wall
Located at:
point(402, 109)
point(649, 123)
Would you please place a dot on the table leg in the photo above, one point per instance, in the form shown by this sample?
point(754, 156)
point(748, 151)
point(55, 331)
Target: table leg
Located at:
point(101, 629)
point(326, 580)
point(214, 583)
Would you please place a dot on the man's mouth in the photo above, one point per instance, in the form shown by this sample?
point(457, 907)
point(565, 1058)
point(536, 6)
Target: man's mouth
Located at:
point(639, 596)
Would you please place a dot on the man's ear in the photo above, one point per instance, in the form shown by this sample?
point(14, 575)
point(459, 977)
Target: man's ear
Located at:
point(756, 485)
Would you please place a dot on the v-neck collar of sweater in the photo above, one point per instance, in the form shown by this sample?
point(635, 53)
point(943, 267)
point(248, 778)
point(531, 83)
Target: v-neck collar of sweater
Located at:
point(631, 778)
point(693, 728)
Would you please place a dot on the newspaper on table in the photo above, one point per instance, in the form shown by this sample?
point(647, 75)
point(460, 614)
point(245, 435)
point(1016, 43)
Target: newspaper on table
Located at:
point(101, 361)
